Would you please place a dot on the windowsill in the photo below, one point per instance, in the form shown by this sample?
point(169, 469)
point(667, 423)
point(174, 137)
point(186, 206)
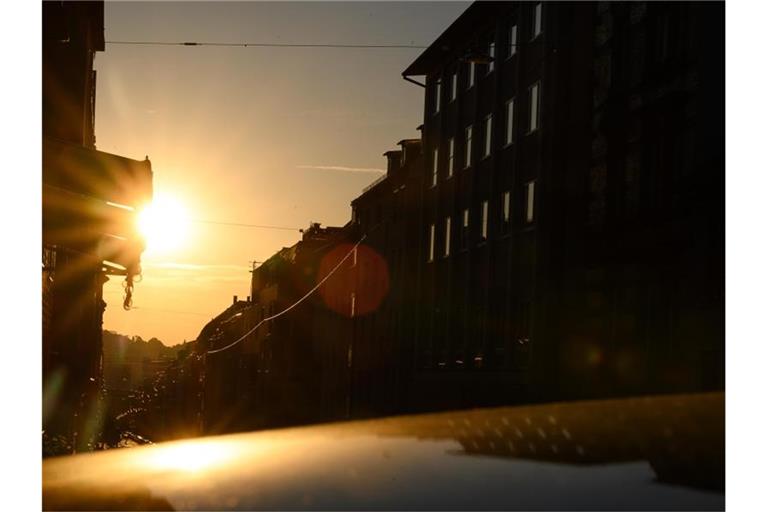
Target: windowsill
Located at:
point(508, 145)
point(531, 132)
point(448, 177)
point(467, 168)
point(482, 243)
point(486, 157)
point(528, 227)
point(509, 57)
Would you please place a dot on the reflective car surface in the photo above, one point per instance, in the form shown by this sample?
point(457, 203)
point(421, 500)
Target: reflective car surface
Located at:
point(655, 453)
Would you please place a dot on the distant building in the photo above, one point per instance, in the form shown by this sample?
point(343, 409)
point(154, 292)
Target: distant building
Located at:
point(291, 369)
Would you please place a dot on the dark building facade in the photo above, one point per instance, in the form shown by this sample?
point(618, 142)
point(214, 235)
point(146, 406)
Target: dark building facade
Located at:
point(573, 215)
point(388, 213)
point(86, 236)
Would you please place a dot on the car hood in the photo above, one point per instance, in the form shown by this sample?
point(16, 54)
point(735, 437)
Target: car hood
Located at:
point(648, 453)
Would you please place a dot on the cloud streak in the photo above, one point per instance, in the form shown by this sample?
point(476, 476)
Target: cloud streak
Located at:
point(341, 168)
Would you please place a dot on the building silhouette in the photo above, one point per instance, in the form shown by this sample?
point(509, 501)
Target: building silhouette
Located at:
point(86, 235)
point(556, 233)
point(573, 220)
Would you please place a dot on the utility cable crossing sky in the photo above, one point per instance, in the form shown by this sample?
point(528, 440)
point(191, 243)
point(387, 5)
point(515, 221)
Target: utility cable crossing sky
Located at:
point(270, 45)
point(302, 299)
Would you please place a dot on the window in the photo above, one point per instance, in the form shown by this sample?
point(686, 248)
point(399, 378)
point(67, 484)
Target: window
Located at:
point(434, 167)
point(505, 209)
point(530, 194)
point(468, 146)
point(488, 136)
point(437, 96)
point(450, 157)
point(534, 96)
point(484, 217)
point(491, 54)
point(512, 40)
point(352, 304)
point(354, 257)
point(465, 228)
point(508, 136)
point(447, 237)
point(536, 29)
point(453, 86)
point(471, 80)
point(431, 255)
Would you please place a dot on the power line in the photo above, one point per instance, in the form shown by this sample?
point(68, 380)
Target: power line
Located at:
point(239, 224)
point(269, 45)
point(302, 299)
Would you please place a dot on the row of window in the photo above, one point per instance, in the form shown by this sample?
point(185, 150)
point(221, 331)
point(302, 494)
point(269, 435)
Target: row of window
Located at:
point(506, 221)
point(534, 109)
point(512, 44)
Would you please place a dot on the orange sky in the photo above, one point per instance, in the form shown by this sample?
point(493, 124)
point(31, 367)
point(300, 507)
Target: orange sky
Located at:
point(250, 135)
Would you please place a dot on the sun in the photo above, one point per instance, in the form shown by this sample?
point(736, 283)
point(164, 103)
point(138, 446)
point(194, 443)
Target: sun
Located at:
point(164, 225)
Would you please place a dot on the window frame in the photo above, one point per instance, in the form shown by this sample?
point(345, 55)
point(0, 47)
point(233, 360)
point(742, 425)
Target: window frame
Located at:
point(509, 129)
point(537, 22)
point(537, 86)
point(506, 210)
point(487, 136)
point(435, 155)
point(431, 250)
point(451, 155)
point(447, 241)
point(468, 133)
point(512, 36)
point(529, 202)
point(484, 221)
point(465, 227)
point(491, 54)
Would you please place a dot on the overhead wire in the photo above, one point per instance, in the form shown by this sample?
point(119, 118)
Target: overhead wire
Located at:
point(240, 224)
point(302, 299)
point(269, 45)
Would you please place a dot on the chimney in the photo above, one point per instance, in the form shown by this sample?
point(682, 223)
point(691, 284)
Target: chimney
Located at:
point(393, 161)
point(234, 299)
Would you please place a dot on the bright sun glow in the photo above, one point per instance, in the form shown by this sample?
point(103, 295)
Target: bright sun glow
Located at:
point(164, 224)
point(188, 455)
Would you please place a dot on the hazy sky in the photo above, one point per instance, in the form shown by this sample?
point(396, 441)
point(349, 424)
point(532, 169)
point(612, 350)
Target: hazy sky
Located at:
point(245, 134)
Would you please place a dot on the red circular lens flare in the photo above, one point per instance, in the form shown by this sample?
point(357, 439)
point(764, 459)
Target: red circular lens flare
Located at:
point(359, 286)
